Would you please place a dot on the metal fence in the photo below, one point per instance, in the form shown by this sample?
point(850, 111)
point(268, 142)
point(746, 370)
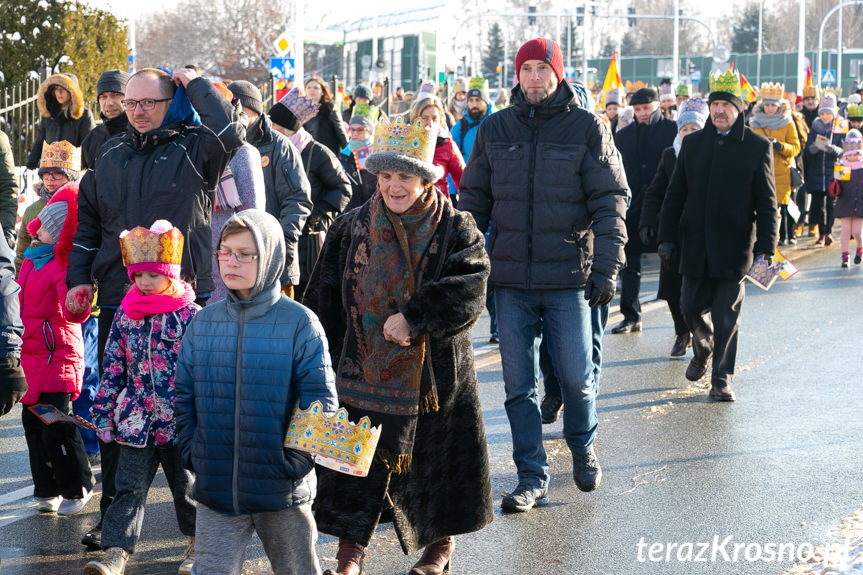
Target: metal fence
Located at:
point(19, 117)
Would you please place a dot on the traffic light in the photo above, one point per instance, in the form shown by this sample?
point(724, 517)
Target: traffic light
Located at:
point(497, 69)
point(631, 12)
point(579, 15)
point(531, 20)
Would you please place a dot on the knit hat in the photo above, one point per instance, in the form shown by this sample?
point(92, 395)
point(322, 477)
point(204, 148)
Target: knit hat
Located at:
point(478, 88)
point(644, 96)
point(544, 49)
point(854, 99)
point(460, 85)
point(112, 81)
point(158, 249)
point(282, 116)
point(363, 91)
point(404, 147)
point(692, 111)
point(61, 156)
point(53, 216)
point(828, 104)
point(248, 95)
point(364, 115)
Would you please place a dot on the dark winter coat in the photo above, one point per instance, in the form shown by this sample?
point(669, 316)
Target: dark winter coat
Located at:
point(548, 179)
point(849, 199)
point(287, 187)
point(655, 192)
point(109, 128)
point(819, 164)
point(169, 173)
point(641, 146)
point(327, 129)
point(721, 202)
point(447, 490)
point(331, 192)
point(363, 182)
point(57, 124)
point(8, 190)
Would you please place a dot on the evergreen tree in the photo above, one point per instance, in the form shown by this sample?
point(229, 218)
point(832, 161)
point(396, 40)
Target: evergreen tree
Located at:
point(494, 51)
point(744, 39)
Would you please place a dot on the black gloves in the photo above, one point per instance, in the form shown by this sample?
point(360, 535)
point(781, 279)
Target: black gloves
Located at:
point(666, 252)
point(777, 146)
point(767, 258)
point(13, 386)
point(599, 289)
point(647, 235)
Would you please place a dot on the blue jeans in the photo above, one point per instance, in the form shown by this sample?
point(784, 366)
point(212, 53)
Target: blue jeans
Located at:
point(566, 319)
point(598, 321)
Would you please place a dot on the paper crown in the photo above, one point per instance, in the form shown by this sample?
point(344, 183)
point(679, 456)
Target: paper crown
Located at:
point(477, 83)
point(303, 108)
point(665, 92)
point(772, 91)
point(161, 244)
point(682, 90)
point(696, 105)
point(728, 82)
point(853, 141)
point(400, 137)
point(613, 97)
point(367, 111)
point(62, 155)
point(810, 92)
point(632, 87)
point(337, 443)
point(855, 111)
point(460, 85)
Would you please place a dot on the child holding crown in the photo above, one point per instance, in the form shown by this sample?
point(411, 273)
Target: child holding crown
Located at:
point(135, 403)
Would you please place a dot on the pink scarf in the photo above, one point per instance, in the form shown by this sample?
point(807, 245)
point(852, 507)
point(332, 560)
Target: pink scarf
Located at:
point(301, 139)
point(137, 306)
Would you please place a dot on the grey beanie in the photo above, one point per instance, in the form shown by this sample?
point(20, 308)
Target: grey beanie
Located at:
point(401, 163)
point(362, 121)
point(270, 242)
point(112, 81)
point(53, 216)
point(248, 95)
point(363, 91)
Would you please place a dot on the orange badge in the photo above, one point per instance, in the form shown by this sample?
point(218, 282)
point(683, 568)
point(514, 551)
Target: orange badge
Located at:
point(265, 161)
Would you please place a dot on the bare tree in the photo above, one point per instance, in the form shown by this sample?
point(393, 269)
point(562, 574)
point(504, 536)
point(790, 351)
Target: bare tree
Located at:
point(653, 37)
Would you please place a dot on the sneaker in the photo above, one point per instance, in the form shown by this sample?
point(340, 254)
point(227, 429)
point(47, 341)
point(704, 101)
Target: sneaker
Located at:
point(858, 258)
point(93, 538)
point(586, 470)
point(188, 558)
point(828, 239)
point(73, 506)
point(844, 263)
point(524, 498)
point(550, 407)
point(792, 242)
point(494, 338)
point(112, 563)
point(48, 504)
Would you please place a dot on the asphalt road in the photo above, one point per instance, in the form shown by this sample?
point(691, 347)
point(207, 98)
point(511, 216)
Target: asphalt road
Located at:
point(685, 479)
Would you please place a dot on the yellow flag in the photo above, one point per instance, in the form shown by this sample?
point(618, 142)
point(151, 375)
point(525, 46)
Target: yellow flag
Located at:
point(612, 79)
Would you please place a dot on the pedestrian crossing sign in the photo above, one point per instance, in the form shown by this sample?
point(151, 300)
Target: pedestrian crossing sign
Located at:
point(828, 77)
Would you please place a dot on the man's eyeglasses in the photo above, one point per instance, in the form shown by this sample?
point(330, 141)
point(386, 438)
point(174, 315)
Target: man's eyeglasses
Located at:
point(53, 175)
point(146, 104)
point(224, 256)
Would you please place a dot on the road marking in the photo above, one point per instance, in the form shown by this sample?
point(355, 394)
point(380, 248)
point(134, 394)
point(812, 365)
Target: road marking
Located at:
point(16, 495)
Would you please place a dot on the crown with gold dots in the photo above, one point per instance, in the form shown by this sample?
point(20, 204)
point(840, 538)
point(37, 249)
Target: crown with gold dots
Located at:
point(772, 91)
point(140, 245)
point(303, 108)
point(728, 82)
point(402, 138)
point(62, 155)
point(336, 442)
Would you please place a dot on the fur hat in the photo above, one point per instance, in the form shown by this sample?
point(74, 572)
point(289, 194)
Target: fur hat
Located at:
point(544, 49)
point(248, 95)
point(158, 249)
point(406, 148)
point(828, 104)
point(112, 81)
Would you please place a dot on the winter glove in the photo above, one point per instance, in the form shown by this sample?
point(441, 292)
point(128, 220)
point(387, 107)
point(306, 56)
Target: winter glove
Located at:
point(599, 289)
point(666, 251)
point(768, 258)
point(13, 385)
point(777, 146)
point(105, 435)
point(647, 235)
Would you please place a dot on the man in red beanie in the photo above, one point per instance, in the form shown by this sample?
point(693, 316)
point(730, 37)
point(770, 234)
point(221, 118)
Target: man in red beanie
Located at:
point(544, 172)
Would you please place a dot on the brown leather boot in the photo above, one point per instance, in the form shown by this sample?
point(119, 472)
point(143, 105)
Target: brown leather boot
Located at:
point(350, 559)
point(436, 558)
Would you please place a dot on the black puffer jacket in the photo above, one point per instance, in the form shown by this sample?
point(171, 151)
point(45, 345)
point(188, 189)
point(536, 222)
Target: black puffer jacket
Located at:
point(326, 128)
point(168, 173)
point(99, 135)
point(548, 179)
point(331, 192)
point(287, 189)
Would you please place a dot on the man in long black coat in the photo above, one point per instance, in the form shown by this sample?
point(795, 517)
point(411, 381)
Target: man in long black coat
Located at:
point(721, 201)
point(640, 144)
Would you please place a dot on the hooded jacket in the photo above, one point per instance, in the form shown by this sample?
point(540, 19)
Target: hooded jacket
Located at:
point(109, 128)
point(464, 132)
point(547, 178)
point(287, 188)
point(56, 124)
point(52, 354)
point(168, 173)
point(243, 366)
point(720, 205)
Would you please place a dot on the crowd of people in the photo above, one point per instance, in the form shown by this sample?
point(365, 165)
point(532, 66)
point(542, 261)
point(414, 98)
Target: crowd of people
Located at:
point(196, 267)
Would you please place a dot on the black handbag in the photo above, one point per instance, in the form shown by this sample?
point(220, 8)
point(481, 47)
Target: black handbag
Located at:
point(796, 178)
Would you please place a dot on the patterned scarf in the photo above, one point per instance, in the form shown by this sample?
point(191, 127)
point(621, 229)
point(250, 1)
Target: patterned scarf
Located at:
point(137, 306)
point(387, 258)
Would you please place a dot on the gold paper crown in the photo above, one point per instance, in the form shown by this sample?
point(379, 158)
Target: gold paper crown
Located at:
point(303, 108)
point(477, 83)
point(399, 137)
point(367, 111)
point(810, 92)
point(62, 155)
point(772, 91)
point(728, 82)
point(337, 443)
point(855, 111)
point(632, 87)
point(141, 245)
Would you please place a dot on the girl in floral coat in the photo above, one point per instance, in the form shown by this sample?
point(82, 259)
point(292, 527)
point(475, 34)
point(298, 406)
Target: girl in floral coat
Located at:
point(135, 403)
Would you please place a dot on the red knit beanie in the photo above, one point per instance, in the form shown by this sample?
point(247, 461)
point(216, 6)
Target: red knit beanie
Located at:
point(544, 49)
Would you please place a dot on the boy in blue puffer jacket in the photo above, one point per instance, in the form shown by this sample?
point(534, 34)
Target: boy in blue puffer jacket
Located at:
point(244, 363)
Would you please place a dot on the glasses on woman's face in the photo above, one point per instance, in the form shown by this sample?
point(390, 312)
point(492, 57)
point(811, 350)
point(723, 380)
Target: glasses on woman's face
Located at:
point(53, 175)
point(225, 256)
point(146, 104)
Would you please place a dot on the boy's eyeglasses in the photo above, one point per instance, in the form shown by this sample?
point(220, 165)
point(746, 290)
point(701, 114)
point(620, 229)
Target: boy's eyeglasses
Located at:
point(53, 175)
point(147, 104)
point(224, 256)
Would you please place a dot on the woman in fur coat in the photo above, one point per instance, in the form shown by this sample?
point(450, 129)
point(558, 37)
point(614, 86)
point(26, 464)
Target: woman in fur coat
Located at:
point(397, 287)
point(64, 117)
